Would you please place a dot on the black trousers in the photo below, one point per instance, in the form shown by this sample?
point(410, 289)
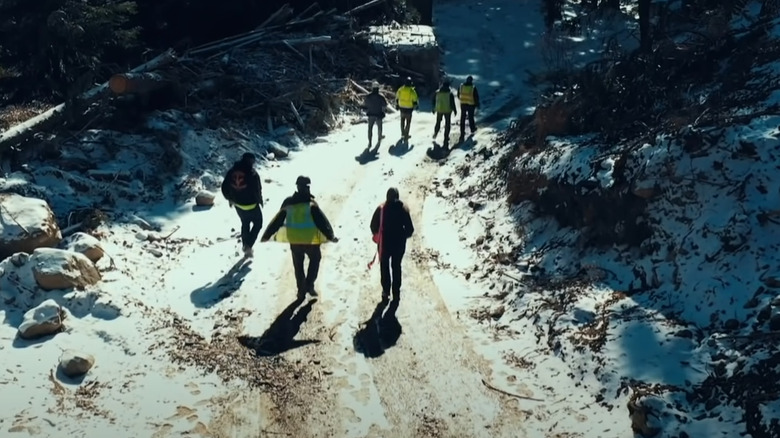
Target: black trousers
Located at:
point(467, 111)
point(305, 280)
point(406, 121)
point(391, 259)
point(251, 224)
point(447, 122)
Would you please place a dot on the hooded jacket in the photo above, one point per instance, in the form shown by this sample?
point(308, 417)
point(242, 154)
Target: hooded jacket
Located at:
point(242, 185)
point(375, 104)
point(396, 225)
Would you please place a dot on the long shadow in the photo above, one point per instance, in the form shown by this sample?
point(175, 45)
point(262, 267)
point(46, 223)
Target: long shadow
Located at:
point(212, 293)
point(279, 337)
point(368, 155)
point(437, 152)
point(380, 332)
point(400, 148)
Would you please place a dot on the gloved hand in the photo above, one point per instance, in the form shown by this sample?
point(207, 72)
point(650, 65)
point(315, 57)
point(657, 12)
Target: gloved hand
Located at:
point(334, 239)
point(264, 239)
point(230, 203)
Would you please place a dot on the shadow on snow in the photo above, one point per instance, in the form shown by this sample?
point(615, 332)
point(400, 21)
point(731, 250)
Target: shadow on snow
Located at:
point(380, 332)
point(279, 337)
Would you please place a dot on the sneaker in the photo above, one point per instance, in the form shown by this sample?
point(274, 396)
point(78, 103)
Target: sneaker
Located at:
point(311, 291)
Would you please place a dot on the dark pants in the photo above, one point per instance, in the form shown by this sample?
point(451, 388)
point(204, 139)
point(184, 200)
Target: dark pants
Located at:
point(406, 121)
point(447, 122)
point(391, 258)
point(305, 281)
point(467, 111)
point(251, 224)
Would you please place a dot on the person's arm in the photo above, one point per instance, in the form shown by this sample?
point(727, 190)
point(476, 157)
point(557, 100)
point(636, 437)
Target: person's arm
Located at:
point(459, 92)
point(227, 191)
point(274, 225)
point(375, 220)
point(476, 98)
point(414, 98)
point(259, 188)
point(408, 226)
point(452, 104)
point(321, 222)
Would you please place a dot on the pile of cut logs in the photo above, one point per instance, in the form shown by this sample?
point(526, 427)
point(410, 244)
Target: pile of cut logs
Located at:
point(294, 69)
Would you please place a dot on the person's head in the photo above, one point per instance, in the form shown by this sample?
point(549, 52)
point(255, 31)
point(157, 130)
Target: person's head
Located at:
point(446, 84)
point(302, 184)
point(248, 158)
point(408, 81)
point(375, 87)
point(392, 194)
point(470, 80)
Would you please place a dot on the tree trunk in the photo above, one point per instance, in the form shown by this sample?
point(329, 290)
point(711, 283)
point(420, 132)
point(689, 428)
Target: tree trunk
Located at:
point(645, 35)
point(129, 83)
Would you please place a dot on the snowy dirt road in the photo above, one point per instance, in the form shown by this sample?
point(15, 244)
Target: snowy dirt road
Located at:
point(403, 368)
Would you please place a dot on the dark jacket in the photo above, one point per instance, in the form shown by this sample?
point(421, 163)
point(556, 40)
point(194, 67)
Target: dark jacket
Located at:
point(375, 104)
point(476, 94)
point(396, 224)
point(242, 185)
point(452, 99)
point(317, 215)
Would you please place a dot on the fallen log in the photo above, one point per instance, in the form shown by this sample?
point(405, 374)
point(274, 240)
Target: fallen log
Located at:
point(130, 83)
point(284, 13)
point(363, 7)
point(25, 130)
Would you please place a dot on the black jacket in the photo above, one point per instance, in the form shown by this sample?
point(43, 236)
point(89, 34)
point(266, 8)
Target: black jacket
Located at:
point(317, 215)
point(375, 104)
point(242, 185)
point(396, 223)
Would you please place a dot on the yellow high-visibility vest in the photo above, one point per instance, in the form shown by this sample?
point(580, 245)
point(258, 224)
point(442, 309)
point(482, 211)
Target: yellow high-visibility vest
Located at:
point(407, 97)
point(299, 226)
point(466, 94)
point(443, 102)
point(246, 207)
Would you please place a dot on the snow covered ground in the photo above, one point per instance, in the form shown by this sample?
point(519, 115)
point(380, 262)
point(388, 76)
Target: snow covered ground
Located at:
point(552, 346)
point(182, 310)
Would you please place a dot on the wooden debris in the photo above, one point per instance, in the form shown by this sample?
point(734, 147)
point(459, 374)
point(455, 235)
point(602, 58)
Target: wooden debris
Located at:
point(501, 391)
point(24, 131)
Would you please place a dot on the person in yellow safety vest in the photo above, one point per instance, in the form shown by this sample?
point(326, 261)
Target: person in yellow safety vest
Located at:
point(243, 189)
point(302, 224)
point(406, 102)
point(443, 107)
point(469, 102)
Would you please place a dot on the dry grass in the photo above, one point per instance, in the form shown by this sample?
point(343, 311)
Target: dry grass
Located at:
point(12, 115)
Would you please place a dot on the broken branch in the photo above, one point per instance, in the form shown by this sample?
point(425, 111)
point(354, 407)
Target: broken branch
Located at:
point(489, 386)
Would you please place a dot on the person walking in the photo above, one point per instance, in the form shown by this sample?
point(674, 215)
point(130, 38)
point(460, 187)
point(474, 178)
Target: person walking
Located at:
point(469, 102)
point(392, 226)
point(406, 102)
point(244, 191)
point(443, 107)
point(374, 105)
point(302, 224)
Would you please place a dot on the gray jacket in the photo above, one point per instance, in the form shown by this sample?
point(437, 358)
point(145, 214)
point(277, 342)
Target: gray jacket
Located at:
point(375, 104)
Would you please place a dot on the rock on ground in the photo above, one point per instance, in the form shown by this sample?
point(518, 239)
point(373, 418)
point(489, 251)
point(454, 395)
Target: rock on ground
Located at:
point(75, 364)
point(204, 199)
point(61, 269)
point(27, 224)
point(86, 244)
point(42, 320)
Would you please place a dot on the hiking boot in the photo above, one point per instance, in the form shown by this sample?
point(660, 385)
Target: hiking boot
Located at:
point(311, 291)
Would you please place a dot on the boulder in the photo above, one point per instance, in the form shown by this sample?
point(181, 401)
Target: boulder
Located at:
point(204, 199)
point(26, 224)
point(42, 320)
point(61, 269)
point(86, 244)
point(75, 364)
